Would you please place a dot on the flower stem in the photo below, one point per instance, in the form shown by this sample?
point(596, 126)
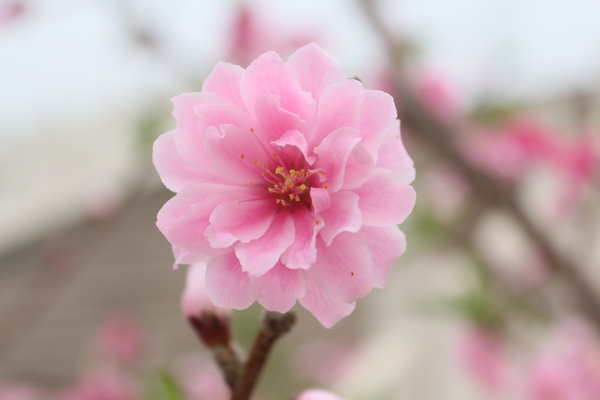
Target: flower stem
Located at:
point(229, 363)
point(273, 326)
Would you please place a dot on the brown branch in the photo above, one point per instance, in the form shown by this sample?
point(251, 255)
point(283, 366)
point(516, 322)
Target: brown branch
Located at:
point(229, 363)
point(274, 325)
point(438, 136)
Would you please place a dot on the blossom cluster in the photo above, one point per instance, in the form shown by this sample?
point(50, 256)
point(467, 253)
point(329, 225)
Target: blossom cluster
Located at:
point(291, 180)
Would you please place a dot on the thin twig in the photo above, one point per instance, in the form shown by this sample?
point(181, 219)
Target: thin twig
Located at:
point(274, 325)
point(229, 363)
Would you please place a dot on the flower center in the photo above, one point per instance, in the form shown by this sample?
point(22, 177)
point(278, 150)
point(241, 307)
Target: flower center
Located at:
point(289, 186)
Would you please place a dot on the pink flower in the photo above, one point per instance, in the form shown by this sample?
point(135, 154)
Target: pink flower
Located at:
point(570, 370)
point(201, 380)
point(252, 33)
point(105, 384)
point(290, 181)
point(484, 357)
point(315, 394)
point(120, 339)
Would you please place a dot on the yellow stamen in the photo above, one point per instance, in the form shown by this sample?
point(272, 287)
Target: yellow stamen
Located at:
point(303, 186)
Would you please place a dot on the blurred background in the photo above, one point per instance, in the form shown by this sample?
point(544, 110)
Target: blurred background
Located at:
point(498, 295)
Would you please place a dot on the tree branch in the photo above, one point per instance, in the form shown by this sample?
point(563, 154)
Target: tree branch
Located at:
point(438, 137)
point(274, 325)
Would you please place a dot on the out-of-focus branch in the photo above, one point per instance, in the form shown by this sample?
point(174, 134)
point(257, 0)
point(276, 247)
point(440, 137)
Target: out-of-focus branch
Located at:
point(439, 137)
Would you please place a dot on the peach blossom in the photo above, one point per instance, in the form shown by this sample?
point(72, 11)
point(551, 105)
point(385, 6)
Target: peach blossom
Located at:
point(290, 181)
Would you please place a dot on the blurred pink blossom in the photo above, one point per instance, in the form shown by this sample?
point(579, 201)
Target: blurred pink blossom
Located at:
point(253, 34)
point(433, 89)
point(104, 384)
point(437, 93)
point(484, 357)
point(11, 10)
point(569, 370)
point(120, 339)
point(508, 151)
point(315, 394)
point(291, 181)
point(21, 392)
point(201, 380)
point(497, 153)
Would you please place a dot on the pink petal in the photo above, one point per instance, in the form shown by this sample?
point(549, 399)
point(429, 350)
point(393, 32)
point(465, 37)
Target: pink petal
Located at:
point(224, 81)
point(169, 214)
point(273, 120)
point(234, 153)
point(321, 200)
point(385, 245)
point(188, 233)
point(302, 253)
point(359, 168)
point(327, 309)
point(226, 285)
point(269, 75)
point(185, 257)
point(260, 255)
point(173, 170)
point(290, 286)
point(295, 139)
point(343, 216)
point(338, 107)
point(344, 269)
point(393, 156)
point(189, 140)
point(383, 201)
point(240, 220)
point(315, 69)
point(208, 115)
point(333, 153)
point(377, 115)
point(183, 109)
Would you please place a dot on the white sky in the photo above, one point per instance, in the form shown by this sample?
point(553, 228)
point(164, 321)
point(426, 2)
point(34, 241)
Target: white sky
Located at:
point(70, 57)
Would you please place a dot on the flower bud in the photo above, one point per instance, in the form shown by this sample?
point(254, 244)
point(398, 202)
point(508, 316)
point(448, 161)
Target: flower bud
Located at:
point(211, 323)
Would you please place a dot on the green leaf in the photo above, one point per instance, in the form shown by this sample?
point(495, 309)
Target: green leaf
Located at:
point(164, 387)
